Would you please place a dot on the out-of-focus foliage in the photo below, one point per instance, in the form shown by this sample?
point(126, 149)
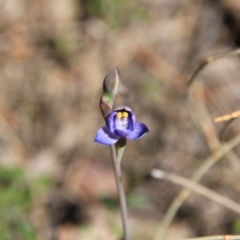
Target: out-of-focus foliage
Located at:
point(53, 58)
point(16, 202)
point(118, 13)
point(236, 226)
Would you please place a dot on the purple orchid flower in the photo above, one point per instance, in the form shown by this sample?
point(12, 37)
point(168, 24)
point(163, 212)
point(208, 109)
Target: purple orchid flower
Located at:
point(120, 123)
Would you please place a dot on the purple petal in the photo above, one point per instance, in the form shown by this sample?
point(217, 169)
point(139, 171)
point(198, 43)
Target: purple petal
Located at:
point(110, 121)
point(111, 118)
point(105, 136)
point(132, 120)
point(122, 133)
point(131, 117)
point(139, 130)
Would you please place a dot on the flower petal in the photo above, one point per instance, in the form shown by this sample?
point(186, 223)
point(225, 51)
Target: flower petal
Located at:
point(110, 121)
point(131, 116)
point(122, 133)
point(105, 136)
point(132, 120)
point(139, 130)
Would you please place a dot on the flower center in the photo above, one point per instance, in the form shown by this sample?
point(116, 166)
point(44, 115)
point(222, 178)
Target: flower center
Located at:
point(122, 120)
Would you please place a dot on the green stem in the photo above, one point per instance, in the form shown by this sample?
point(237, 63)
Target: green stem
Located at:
point(116, 153)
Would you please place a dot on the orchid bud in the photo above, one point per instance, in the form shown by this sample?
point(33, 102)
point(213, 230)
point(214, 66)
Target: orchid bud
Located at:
point(110, 89)
point(111, 82)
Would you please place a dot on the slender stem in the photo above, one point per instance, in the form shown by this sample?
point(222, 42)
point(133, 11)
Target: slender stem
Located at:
point(195, 187)
point(203, 122)
point(182, 196)
point(176, 204)
point(225, 128)
point(116, 154)
point(203, 64)
point(211, 59)
point(220, 237)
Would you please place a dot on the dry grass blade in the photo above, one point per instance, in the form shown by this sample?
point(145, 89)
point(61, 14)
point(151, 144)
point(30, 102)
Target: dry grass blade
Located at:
point(204, 63)
point(224, 130)
point(211, 59)
point(222, 149)
point(228, 203)
point(178, 201)
point(220, 237)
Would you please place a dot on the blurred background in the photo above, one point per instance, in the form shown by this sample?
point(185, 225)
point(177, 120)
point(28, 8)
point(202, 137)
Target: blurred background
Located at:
point(55, 182)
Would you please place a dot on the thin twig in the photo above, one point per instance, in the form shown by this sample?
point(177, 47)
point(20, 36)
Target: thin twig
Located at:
point(176, 204)
point(201, 118)
point(211, 59)
point(204, 63)
point(220, 237)
point(195, 187)
point(224, 130)
point(203, 122)
point(116, 161)
point(208, 128)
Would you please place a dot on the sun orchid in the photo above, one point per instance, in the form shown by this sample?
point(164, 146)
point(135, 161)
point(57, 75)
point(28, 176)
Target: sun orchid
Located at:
point(120, 123)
